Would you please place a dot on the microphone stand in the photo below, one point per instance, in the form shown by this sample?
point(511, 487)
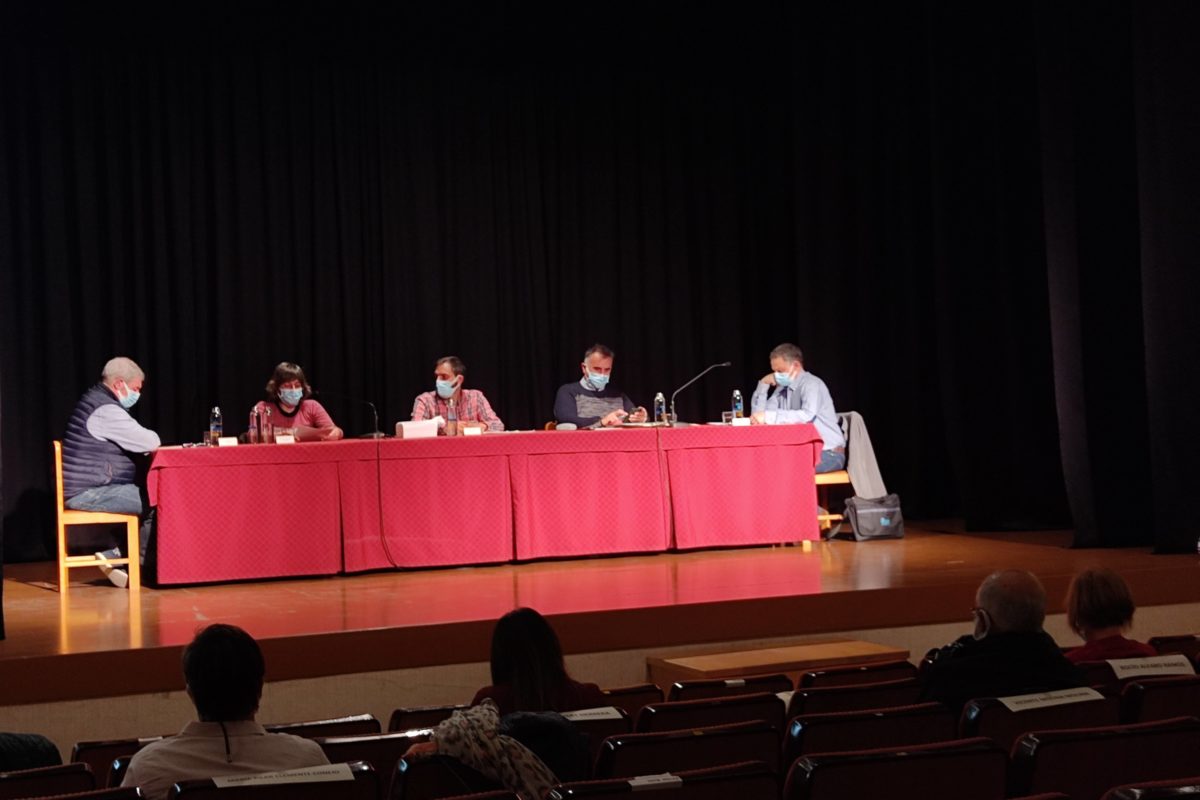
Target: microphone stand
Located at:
point(674, 418)
point(376, 434)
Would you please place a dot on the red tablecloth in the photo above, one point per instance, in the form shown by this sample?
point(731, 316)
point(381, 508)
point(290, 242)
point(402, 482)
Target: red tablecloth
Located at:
point(741, 486)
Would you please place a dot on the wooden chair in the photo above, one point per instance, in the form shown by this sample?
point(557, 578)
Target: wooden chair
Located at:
point(356, 725)
point(632, 698)
point(419, 717)
point(1149, 699)
point(549, 426)
point(964, 769)
point(988, 716)
point(854, 674)
point(636, 754)
point(728, 687)
point(1183, 789)
point(747, 781)
point(101, 754)
point(924, 723)
point(824, 480)
point(43, 781)
point(686, 714)
point(859, 697)
point(131, 560)
point(363, 785)
point(1086, 762)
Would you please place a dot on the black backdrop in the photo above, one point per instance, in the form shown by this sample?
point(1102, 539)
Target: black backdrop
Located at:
point(980, 224)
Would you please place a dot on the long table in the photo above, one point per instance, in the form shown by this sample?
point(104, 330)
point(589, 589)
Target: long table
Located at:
point(265, 511)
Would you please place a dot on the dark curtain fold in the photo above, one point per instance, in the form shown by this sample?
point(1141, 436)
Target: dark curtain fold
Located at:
point(362, 192)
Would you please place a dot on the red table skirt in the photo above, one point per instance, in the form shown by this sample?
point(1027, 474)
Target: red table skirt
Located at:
point(263, 511)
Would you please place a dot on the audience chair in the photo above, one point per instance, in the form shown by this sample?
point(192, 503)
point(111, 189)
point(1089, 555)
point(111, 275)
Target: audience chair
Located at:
point(409, 719)
point(746, 781)
point(116, 773)
point(436, 777)
point(686, 714)
point(636, 754)
point(1150, 699)
point(728, 687)
point(854, 674)
point(872, 729)
point(1085, 762)
point(632, 698)
point(988, 716)
point(498, 795)
point(1044, 796)
point(67, 517)
point(963, 769)
point(1183, 789)
point(363, 786)
point(101, 754)
point(1188, 644)
point(830, 699)
point(357, 725)
point(42, 781)
point(381, 750)
point(111, 793)
point(599, 724)
point(27, 751)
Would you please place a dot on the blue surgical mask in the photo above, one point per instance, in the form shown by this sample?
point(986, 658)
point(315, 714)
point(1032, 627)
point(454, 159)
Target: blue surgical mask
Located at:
point(291, 397)
point(784, 379)
point(129, 399)
point(445, 389)
point(598, 382)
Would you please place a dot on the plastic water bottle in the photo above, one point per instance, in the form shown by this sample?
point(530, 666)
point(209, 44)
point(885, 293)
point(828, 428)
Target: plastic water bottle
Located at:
point(451, 419)
point(252, 428)
point(738, 407)
point(216, 426)
point(660, 408)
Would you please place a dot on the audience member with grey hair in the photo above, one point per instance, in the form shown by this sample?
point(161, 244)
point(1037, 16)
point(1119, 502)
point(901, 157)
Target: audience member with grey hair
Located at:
point(99, 447)
point(1008, 653)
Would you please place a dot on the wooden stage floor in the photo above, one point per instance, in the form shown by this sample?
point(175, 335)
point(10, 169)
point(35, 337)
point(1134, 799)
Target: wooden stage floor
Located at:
point(87, 643)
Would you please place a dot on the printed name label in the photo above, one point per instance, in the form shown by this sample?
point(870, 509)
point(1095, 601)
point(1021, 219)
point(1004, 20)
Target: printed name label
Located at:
point(1176, 664)
point(322, 774)
point(584, 714)
point(1024, 702)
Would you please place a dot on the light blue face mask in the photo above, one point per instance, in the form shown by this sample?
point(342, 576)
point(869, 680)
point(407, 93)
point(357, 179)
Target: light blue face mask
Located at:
point(130, 399)
point(783, 379)
point(445, 389)
point(291, 397)
point(598, 382)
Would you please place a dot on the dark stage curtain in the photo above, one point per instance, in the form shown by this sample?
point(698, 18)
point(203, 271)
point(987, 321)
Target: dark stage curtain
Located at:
point(363, 192)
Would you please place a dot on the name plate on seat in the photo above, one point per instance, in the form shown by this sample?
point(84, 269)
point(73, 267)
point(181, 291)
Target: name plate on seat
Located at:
point(1176, 664)
point(324, 774)
point(585, 714)
point(1025, 702)
point(643, 782)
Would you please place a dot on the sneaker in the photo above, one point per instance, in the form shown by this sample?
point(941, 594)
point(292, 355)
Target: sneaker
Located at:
point(118, 577)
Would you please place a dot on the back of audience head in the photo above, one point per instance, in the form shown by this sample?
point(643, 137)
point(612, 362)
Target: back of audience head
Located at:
point(1098, 600)
point(1009, 601)
point(224, 670)
point(527, 657)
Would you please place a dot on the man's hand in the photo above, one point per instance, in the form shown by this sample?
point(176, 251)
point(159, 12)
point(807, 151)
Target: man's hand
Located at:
point(475, 423)
point(639, 415)
point(614, 418)
point(768, 379)
point(758, 418)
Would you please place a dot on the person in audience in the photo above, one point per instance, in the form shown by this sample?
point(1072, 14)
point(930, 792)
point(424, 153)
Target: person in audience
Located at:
point(99, 449)
point(1100, 609)
point(788, 394)
point(1007, 654)
point(290, 401)
point(471, 407)
point(223, 667)
point(528, 673)
point(591, 402)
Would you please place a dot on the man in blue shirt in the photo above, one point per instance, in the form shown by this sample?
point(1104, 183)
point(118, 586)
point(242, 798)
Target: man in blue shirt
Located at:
point(788, 394)
point(591, 402)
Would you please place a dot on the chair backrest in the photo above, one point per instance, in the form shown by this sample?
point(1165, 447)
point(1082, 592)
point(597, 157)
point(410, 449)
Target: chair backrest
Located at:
point(1184, 789)
point(497, 795)
point(360, 783)
point(747, 781)
point(634, 754)
point(830, 699)
point(1086, 762)
point(599, 724)
point(436, 777)
point(99, 755)
point(111, 793)
point(632, 698)
point(356, 725)
point(964, 769)
point(853, 674)
point(1099, 674)
point(872, 729)
point(685, 714)
point(728, 687)
point(41, 781)
point(381, 750)
point(990, 717)
point(1160, 698)
point(116, 773)
point(1188, 644)
point(411, 719)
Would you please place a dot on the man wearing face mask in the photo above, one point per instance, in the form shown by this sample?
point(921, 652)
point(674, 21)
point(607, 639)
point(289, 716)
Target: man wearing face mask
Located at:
point(1007, 654)
point(471, 407)
point(592, 402)
point(789, 394)
point(101, 440)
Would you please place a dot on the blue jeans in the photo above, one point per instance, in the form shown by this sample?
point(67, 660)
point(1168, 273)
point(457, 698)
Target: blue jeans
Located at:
point(117, 498)
point(831, 461)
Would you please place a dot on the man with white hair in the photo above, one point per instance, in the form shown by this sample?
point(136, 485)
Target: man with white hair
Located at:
point(1007, 654)
point(99, 472)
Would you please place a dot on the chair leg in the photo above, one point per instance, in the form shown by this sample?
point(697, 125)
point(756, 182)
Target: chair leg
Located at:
point(134, 552)
point(64, 574)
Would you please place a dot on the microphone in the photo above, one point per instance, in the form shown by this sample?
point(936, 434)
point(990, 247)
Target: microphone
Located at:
point(675, 419)
point(376, 434)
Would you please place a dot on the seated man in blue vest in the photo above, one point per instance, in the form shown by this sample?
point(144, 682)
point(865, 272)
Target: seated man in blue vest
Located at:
point(789, 394)
point(99, 472)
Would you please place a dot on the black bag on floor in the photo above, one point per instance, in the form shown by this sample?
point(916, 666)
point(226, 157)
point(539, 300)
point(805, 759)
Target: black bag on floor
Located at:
point(877, 518)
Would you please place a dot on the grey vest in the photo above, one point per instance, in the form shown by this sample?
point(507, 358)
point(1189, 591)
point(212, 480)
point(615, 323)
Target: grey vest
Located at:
point(89, 462)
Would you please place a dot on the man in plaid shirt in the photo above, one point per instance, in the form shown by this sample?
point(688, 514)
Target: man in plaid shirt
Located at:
point(473, 409)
